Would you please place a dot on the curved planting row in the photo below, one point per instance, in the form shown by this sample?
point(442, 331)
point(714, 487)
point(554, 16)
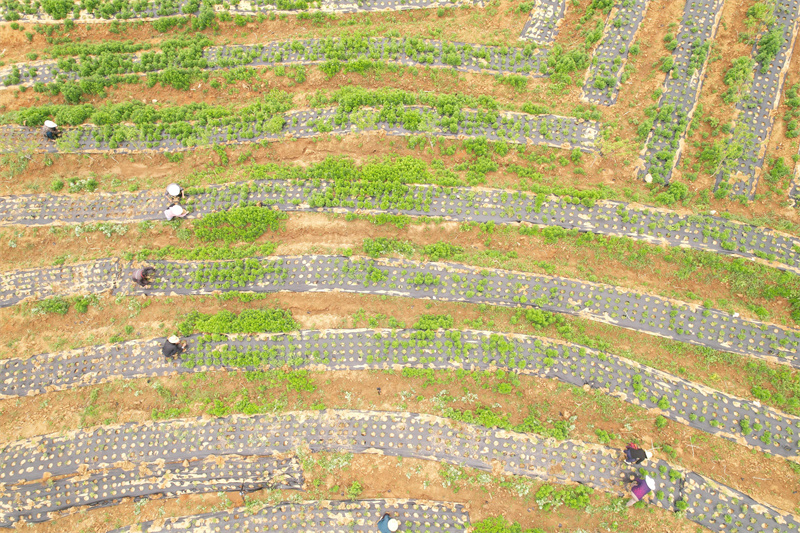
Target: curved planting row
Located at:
point(332, 52)
point(695, 405)
point(645, 313)
point(657, 226)
point(392, 434)
point(542, 25)
point(608, 62)
point(669, 120)
point(332, 516)
point(519, 128)
point(97, 277)
point(38, 501)
point(755, 109)
point(105, 10)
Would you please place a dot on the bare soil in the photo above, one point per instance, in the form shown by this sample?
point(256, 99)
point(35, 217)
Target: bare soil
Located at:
point(134, 401)
point(132, 318)
point(656, 271)
point(22, 334)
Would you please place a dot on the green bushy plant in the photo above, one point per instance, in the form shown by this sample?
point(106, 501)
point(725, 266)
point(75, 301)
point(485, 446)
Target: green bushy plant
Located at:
point(248, 321)
point(238, 224)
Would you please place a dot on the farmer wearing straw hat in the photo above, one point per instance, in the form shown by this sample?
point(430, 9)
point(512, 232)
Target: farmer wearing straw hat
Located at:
point(173, 347)
point(175, 211)
point(174, 193)
point(50, 130)
point(387, 524)
point(640, 488)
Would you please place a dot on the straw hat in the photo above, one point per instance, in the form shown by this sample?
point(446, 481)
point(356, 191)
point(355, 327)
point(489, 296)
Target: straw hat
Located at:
point(176, 210)
point(50, 124)
point(393, 524)
point(649, 455)
point(173, 189)
point(174, 339)
point(650, 482)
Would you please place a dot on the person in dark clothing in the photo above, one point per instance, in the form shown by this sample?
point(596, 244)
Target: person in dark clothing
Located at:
point(387, 524)
point(173, 347)
point(141, 276)
point(635, 455)
point(50, 130)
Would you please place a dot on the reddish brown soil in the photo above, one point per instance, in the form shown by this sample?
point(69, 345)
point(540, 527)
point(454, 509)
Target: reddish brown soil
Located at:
point(22, 335)
point(131, 318)
point(320, 233)
point(135, 400)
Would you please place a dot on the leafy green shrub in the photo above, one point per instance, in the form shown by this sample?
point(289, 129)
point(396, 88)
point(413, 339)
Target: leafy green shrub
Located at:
point(82, 303)
point(793, 113)
point(768, 47)
point(737, 77)
point(434, 322)
point(384, 246)
point(498, 524)
point(540, 319)
point(548, 498)
point(675, 193)
point(82, 184)
point(520, 83)
point(604, 436)
point(165, 24)
point(354, 490)
point(238, 224)
point(58, 9)
point(248, 321)
point(57, 305)
point(441, 250)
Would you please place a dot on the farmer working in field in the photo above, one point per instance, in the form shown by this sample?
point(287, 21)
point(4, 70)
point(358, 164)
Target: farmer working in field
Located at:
point(141, 276)
point(635, 455)
point(640, 489)
point(174, 193)
point(50, 130)
point(387, 524)
point(173, 347)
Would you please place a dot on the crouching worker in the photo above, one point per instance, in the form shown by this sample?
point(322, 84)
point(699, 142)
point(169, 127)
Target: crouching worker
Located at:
point(173, 348)
point(387, 524)
point(640, 489)
point(50, 130)
point(176, 211)
point(141, 276)
point(635, 455)
point(175, 193)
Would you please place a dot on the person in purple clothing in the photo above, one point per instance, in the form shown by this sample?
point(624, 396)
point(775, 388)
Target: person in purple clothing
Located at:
point(640, 489)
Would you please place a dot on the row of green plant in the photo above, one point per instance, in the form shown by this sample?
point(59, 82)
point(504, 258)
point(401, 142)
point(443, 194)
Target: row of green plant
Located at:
point(183, 59)
point(265, 320)
point(143, 115)
point(195, 123)
point(214, 252)
point(60, 305)
point(240, 224)
point(792, 115)
point(130, 9)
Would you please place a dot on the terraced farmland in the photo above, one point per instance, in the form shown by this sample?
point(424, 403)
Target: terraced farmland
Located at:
point(438, 259)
